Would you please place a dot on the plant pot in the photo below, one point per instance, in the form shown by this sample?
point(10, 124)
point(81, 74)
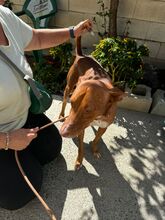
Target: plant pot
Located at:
point(158, 104)
point(139, 99)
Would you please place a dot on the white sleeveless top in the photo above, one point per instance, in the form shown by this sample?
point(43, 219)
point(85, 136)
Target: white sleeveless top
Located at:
point(14, 97)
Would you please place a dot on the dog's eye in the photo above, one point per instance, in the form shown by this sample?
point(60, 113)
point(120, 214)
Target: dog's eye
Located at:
point(110, 101)
point(88, 109)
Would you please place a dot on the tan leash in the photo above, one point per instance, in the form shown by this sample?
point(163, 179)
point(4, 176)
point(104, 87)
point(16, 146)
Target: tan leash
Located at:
point(51, 123)
point(48, 210)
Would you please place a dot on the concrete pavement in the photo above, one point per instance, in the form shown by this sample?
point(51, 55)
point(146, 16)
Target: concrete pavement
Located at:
point(127, 183)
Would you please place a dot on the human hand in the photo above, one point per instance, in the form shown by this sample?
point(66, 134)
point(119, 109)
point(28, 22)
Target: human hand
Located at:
point(21, 138)
point(82, 27)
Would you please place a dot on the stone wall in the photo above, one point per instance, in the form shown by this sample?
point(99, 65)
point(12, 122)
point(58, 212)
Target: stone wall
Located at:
point(147, 19)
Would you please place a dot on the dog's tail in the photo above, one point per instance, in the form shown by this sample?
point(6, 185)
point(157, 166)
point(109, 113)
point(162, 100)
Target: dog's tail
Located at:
point(78, 46)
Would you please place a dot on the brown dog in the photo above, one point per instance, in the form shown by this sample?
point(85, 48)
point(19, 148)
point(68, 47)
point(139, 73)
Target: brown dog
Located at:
point(93, 101)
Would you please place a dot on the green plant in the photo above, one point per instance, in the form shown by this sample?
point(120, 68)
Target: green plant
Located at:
point(105, 15)
point(48, 75)
point(122, 58)
point(53, 69)
point(126, 29)
point(63, 55)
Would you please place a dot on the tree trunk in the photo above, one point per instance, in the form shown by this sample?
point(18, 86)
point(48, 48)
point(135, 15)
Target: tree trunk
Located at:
point(113, 18)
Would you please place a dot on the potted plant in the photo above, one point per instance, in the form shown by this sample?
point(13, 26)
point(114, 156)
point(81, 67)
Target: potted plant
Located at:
point(123, 60)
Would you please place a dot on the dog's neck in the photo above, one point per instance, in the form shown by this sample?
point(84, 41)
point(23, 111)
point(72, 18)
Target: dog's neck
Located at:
point(104, 81)
point(107, 83)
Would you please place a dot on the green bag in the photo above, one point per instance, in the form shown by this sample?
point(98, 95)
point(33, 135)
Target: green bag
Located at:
point(41, 102)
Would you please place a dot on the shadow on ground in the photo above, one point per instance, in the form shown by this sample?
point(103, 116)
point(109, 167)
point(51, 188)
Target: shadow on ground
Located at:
point(145, 143)
point(127, 183)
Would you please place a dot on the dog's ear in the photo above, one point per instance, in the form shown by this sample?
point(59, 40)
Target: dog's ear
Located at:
point(77, 96)
point(117, 94)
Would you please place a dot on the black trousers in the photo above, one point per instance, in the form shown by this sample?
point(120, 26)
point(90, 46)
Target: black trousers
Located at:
point(14, 191)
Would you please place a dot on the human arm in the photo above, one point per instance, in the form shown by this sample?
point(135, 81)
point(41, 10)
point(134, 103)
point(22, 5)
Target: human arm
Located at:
point(35, 39)
point(46, 38)
point(18, 139)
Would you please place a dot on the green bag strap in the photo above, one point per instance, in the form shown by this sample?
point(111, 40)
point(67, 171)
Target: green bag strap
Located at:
point(33, 86)
point(28, 79)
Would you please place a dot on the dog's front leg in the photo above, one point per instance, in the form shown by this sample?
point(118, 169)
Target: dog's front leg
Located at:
point(80, 156)
point(66, 95)
point(95, 150)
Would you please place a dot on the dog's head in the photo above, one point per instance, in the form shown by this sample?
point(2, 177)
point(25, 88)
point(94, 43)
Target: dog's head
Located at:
point(89, 101)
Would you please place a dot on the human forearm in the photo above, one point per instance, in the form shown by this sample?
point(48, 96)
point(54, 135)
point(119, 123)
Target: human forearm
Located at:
point(17, 139)
point(46, 38)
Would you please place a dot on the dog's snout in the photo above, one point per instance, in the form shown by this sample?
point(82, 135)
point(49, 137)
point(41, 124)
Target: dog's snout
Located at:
point(65, 130)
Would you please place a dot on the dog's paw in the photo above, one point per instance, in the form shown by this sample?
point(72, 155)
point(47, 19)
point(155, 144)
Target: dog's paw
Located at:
point(78, 165)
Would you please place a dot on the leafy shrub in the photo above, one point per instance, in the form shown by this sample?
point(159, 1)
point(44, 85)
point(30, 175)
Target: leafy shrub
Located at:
point(63, 55)
point(53, 69)
point(122, 58)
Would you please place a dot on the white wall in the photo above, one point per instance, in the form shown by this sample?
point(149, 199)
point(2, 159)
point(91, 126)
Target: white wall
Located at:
point(147, 21)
